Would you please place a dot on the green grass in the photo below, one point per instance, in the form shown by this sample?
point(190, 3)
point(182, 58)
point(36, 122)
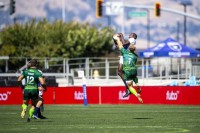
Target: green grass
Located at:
point(104, 119)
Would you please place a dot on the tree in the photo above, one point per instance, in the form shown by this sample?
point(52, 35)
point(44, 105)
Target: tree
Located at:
point(57, 39)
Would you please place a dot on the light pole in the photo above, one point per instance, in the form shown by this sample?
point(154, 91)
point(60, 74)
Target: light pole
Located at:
point(178, 29)
point(148, 28)
point(185, 3)
point(63, 10)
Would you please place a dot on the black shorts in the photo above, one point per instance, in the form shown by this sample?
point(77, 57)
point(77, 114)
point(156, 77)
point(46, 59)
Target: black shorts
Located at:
point(31, 94)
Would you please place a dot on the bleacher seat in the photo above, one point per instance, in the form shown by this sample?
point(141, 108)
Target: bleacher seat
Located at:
point(2, 83)
point(3, 78)
point(51, 81)
point(12, 83)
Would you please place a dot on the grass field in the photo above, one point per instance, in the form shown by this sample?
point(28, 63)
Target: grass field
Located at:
point(104, 119)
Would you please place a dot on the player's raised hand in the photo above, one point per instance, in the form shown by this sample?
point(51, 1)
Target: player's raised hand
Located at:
point(115, 36)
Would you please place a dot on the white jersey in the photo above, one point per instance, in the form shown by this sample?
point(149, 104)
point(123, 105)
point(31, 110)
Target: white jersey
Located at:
point(120, 59)
point(41, 91)
point(23, 80)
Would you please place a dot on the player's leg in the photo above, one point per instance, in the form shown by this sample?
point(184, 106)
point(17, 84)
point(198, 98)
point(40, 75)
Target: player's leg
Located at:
point(31, 111)
point(25, 103)
point(130, 76)
point(34, 98)
point(139, 90)
point(42, 107)
point(41, 110)
point(133, 91)
point(137, 84)
point(37, 109)
point(40, 114)
point(135, 79)
point(127, 89)
point(24, 108)
point(120, 73)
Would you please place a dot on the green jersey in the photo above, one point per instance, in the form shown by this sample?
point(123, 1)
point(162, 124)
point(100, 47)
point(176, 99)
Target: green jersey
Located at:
point(31, 76)
point(129, 59)
point(129, 68)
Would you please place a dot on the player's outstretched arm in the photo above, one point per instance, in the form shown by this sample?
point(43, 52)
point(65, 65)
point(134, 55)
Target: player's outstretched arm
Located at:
point(119, 44)
point(20, 81)
point(43, 84)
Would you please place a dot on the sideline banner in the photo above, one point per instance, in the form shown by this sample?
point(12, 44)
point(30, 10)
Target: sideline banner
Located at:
point(49, 95)
point(75, 95)
point(171, 95)
point(114, 95)
point(153, 95)
point(10, 95)
point(184, 95)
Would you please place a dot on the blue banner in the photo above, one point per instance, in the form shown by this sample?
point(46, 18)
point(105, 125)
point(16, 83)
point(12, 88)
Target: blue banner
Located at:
point(170, 48)
point(85, 95)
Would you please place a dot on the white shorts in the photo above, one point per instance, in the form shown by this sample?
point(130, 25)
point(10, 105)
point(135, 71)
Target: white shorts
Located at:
point(40, 93)
point(121, 60)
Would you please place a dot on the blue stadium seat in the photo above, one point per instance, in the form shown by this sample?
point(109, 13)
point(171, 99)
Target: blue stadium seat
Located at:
point(174, 83)
point(191, 82)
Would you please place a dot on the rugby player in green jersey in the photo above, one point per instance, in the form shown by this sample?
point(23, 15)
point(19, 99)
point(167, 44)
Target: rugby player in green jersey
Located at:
point(132, 41)
point(119, 71)
point(39, 106)
point(126, 44)
point(129, 66)
point(32, 76)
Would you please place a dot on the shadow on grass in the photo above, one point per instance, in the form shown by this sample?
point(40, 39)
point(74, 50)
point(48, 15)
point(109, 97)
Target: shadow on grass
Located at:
point(42, 121)
point(144, 118)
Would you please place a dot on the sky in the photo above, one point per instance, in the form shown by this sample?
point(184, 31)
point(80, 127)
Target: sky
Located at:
point(84, 11)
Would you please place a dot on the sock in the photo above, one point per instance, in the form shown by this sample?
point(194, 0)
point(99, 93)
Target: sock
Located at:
point(36, 111)
point(125, 84)
point(39, 113)
point(31, 111)
point(24, 106)
point(133, 91)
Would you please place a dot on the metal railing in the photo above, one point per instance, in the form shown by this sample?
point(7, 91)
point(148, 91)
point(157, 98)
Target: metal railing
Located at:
point(105, 68)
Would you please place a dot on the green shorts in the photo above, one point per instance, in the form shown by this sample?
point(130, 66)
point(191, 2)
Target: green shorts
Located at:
point(31, 94)
point(130, 75)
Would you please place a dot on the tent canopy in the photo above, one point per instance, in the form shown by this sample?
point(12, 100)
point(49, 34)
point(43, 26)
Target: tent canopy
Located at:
point(169, 48)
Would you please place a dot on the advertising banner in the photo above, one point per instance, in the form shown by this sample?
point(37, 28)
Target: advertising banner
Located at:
point(50, 95)
point(10, 95)
point(75, 95)
point(114, 95)
point(184, 95)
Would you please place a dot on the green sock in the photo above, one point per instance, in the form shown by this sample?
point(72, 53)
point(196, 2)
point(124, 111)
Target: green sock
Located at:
point(31, 111)
point(24, 106)
point(133, 91)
